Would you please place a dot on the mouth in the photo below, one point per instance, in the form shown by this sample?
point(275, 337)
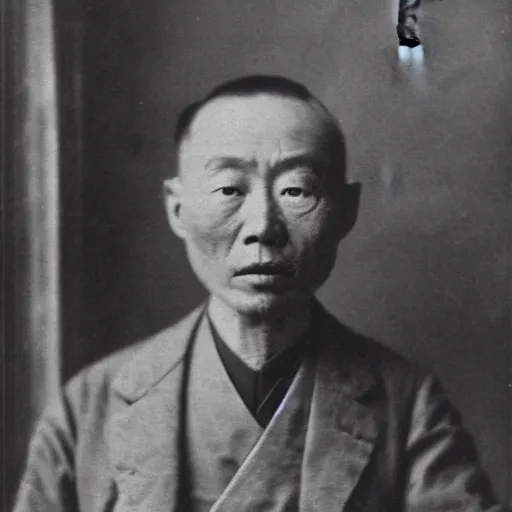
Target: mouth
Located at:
point(266, 269)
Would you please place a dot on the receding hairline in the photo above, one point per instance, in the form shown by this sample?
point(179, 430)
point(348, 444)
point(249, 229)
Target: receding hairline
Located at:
point(266, 85)
point(235, 105)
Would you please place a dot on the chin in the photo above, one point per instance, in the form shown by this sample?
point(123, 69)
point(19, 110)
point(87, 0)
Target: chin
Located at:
point(264, 304)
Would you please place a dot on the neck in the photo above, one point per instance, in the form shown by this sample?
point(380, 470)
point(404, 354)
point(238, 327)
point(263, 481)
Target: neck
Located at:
point(256, 339)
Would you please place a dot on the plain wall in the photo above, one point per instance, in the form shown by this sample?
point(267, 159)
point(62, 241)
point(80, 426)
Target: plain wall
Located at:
point(427, 269)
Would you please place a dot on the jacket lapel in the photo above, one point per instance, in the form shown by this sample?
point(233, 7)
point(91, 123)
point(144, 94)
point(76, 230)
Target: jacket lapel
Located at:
point(342, 431)
point(269, 477)
point(330, 456)
point(321, 438)
point(143, 435)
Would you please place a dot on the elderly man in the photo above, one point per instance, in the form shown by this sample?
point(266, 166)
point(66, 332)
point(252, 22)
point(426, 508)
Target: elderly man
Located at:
point(259, 399)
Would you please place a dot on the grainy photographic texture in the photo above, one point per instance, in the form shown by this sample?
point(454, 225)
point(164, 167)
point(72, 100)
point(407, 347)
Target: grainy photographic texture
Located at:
point(93, 91)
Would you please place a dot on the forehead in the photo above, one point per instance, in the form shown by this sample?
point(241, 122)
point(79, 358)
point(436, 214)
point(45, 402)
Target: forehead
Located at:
point(252, 123)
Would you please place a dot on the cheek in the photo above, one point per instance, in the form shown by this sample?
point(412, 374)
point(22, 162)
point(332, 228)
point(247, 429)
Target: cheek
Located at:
point(315, 237)
point(208, 231)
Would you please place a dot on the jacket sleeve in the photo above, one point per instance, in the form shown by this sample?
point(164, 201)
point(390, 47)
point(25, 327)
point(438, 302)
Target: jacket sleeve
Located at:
point(48, 482)
point(444, 472)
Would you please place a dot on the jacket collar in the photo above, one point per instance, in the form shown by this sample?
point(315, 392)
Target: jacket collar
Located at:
point(156, 358)
point(165, 350)
point(144, 439)
point(344, 356)
point(342, 429)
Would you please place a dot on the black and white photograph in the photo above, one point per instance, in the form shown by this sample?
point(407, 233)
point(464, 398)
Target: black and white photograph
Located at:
point(256, 256)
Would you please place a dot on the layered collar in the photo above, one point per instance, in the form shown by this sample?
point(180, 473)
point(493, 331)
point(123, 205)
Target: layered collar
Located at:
point(144, 441)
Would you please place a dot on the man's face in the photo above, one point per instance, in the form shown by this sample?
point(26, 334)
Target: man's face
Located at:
point(253, 203)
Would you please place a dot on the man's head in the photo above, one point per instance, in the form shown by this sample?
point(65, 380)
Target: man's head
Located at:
point(260, 197)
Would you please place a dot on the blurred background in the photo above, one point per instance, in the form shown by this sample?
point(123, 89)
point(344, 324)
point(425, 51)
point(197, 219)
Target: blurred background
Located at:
point(92, 89)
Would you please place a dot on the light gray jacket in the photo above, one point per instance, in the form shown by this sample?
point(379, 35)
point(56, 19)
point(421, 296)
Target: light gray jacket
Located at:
point(381, 436)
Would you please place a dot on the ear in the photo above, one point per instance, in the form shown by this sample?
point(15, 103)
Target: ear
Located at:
point(173, 197)
point(349, 207)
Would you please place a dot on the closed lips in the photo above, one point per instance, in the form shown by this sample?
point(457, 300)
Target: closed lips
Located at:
point(266, 269)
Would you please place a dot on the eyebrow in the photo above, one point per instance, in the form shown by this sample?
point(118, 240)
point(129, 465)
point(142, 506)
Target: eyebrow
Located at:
point(233, 162)
point(297, 161)
point(229, 162)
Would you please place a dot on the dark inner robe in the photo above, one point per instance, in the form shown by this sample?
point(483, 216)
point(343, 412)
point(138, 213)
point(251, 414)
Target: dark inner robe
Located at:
point(261, 390)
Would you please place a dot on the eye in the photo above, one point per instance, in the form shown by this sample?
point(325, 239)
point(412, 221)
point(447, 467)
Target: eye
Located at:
point(229, 191)
point(297, 199)
point(295, 192)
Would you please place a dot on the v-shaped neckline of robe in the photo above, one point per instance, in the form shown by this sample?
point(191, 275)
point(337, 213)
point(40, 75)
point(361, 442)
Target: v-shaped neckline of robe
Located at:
point(261, 390)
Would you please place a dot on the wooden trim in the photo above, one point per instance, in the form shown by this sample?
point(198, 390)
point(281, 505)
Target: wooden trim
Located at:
point(31, 317)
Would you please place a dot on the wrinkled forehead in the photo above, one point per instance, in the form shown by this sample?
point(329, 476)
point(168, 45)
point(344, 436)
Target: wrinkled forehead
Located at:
point(253, 123)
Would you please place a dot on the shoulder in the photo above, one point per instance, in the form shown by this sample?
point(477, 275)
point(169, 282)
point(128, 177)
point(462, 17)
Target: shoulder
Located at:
point(91, 390)
point(345, 347)
point(96, 379)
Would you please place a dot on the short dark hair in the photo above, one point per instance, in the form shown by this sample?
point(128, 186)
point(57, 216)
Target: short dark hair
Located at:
point(251, 85)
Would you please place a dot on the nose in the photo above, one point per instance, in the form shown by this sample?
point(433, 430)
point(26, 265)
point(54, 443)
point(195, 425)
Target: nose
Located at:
point(263, 221)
